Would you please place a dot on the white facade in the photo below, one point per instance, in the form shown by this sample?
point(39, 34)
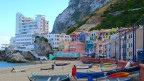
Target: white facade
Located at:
point(25, 25)
point(26, 28)
point(56, 39)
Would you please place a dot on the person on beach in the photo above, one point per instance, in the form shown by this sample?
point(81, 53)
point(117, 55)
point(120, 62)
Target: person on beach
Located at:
point(52, 66)
point(74, 72)
point(12, 69)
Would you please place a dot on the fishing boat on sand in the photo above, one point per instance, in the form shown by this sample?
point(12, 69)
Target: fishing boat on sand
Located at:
point(86, 74)
point(62, 64)
point(118, 74)
point(119, 79)
point(38, 77)
point(82, 66)
point(90, 62)
point(46, 69)
point(129, 70)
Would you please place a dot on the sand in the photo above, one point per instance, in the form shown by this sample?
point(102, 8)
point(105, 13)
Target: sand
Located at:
point(7, 75)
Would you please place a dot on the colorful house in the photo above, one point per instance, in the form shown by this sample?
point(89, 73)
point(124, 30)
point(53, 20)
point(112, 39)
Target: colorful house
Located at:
point(89, 47)
point(93, 35)
point(74, 36)
point(77, 47)
point(81, 37)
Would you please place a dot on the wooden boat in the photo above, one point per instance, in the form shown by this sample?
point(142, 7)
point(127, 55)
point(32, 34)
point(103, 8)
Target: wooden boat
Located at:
point(86, 74)
point(105, 64)
point(118, 74)
point(95, 66)
point(37, 77)
point(84, 62)
point(82, 66)
point(46, 69)
point(119, 79)
point(62, 64)
point(130, 70)
point(90, 62)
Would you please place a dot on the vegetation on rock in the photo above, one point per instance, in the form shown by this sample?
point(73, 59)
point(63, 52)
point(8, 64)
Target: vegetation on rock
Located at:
point(124, 13)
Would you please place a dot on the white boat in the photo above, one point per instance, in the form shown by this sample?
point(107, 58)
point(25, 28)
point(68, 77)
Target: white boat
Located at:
point(82, 66)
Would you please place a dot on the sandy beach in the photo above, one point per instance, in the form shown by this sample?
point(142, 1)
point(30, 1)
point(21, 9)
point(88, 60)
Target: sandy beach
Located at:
point(7, 75)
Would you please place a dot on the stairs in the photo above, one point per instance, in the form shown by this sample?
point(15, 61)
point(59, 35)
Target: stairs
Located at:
point(37, 56)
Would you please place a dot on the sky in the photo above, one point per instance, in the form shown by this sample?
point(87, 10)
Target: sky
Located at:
point(29, 8)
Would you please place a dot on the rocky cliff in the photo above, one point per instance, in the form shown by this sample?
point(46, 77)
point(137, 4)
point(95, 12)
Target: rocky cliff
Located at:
point(16, 58)
point(41, 46)
point(75, 11)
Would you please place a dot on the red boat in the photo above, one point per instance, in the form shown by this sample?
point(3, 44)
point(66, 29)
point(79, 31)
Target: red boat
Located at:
point(118, 74)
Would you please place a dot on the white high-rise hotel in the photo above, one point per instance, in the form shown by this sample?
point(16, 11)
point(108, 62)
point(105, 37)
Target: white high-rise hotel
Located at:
point(25, 29)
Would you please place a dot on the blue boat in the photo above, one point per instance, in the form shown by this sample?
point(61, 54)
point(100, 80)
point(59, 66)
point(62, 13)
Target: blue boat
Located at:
point(86, 74)
point(38, 77)
point(130, 70)
point(84, 62)
point(119, 79)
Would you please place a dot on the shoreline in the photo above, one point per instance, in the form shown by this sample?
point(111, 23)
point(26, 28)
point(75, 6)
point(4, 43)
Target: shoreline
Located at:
point(6, 74)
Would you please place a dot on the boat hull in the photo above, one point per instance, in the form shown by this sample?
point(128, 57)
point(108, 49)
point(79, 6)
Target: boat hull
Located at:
point(36, 77)
point(82, 67)
point(86, 74)
point(119, 79)
point(118, 74)
point(131, 69)
point(46, 69)
point(62, 64)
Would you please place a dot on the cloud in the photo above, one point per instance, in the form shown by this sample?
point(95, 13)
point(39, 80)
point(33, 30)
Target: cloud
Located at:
point(4, 38)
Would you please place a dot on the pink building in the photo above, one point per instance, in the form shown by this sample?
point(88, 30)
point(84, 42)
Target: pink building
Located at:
point(77, 47)
point(74, 36)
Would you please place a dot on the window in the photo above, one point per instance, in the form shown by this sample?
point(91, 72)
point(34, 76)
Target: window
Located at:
point(131, 35)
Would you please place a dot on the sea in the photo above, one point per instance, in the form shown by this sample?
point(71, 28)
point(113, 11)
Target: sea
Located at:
point(4, 64)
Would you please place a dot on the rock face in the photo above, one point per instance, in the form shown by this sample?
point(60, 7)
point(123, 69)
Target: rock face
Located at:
point(28, 55)
point(16, 57)
point(76, 10)
point(41, 46)
point(92, 22)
